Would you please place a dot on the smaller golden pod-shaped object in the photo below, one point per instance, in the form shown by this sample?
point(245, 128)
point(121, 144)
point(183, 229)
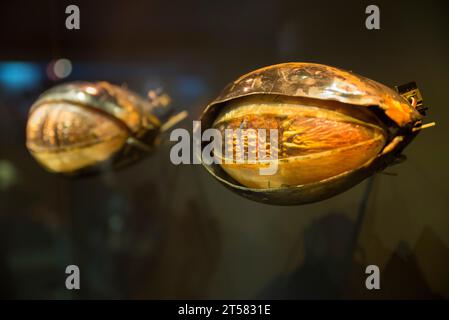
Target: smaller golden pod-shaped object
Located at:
point(82, 127)
point(333, 129)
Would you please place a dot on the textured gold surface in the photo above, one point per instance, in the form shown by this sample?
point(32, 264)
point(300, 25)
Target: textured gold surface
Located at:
point(64, 137)
point(77, 126)
point(322, 82)
point(315, 143)
point(321, 157)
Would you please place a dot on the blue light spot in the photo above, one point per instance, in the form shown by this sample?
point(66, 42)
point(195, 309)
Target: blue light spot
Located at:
point(191, 86)
point(19, 75)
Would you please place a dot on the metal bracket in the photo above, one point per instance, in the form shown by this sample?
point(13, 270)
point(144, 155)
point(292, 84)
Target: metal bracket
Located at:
point(411, 93)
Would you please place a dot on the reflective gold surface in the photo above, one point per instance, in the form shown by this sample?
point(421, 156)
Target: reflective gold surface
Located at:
point(321, 82)
point(80, 126)
point(338, 128)
point(65, 138)
point(314, 142)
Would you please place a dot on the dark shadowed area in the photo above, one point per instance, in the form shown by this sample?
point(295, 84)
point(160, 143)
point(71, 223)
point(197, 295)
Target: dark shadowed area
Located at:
point(156, 230)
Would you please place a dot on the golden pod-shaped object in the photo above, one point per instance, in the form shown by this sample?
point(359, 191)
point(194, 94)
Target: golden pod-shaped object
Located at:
point(332, 129)
point(81, 127)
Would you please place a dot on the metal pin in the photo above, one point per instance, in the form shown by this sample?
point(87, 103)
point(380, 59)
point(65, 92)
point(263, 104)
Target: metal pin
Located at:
point(424, 126)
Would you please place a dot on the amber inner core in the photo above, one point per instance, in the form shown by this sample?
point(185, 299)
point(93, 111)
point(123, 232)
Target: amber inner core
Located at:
point(65, 137)
point(316, 139)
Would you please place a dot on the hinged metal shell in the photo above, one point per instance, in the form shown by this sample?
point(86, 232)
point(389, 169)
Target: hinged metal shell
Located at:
point(117, 126)
point(325, 83)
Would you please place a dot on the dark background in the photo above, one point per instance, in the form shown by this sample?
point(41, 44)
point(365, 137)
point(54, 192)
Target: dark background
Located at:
point(155, 230)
